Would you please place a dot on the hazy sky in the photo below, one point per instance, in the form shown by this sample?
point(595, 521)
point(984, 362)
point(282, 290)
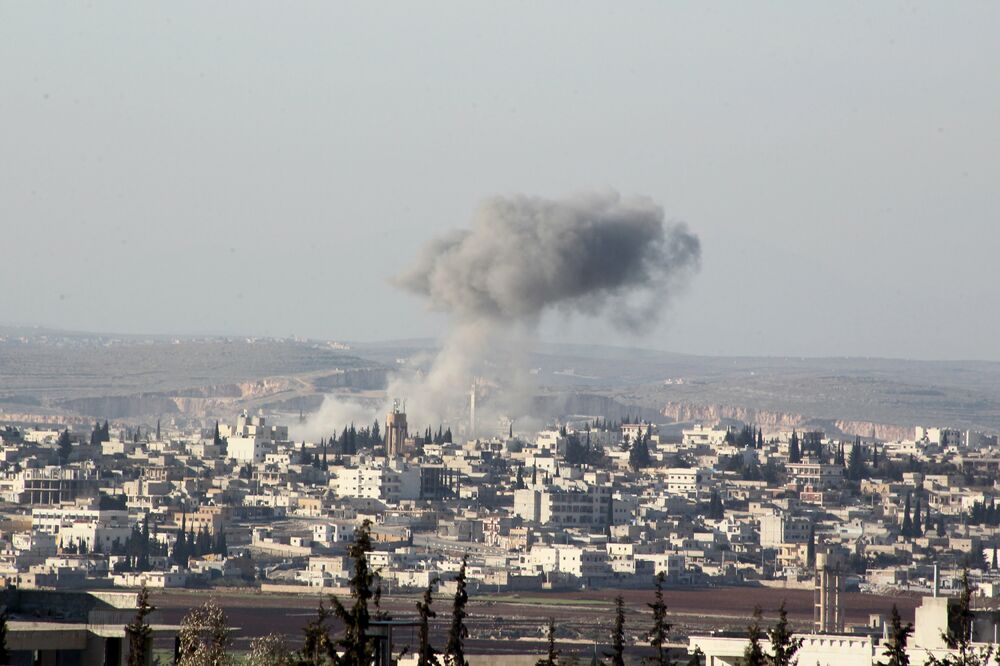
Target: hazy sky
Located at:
point(265, 168)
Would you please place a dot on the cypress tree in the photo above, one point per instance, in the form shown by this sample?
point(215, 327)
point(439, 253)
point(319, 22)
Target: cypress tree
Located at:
point(64, 446)
point(552, 654)
point(899, 634)
point(639, 453)
point(426, 654)
point(661, 628)
point(317, 647)
point(617, 653)
point(181, 554)
point(356, 645)
point(794, 454)
point(4, 652)
point(454, 653)
point(138, 631)
point(144, 547)
point(221, 547)
point(753, 654)
point(856, 463)
point(203, 541)
point(783, 646)
point(907, 527)
point(959, 634)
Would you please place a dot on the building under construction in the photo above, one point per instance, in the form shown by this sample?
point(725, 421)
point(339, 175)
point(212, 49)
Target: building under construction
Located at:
point(828, 599)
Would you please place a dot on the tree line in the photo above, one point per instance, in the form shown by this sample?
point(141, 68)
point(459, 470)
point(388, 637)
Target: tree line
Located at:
point(205, 637)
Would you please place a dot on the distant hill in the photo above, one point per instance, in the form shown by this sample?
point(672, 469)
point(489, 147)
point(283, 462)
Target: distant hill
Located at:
point(84, 375)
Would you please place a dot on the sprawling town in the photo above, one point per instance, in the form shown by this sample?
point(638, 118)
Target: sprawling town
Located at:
point(586, 505)
point(458, 333)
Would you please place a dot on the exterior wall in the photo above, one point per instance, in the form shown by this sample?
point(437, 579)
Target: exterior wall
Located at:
point(776, 530)
point(820, 476)
point(245, 449)
point(822, 650)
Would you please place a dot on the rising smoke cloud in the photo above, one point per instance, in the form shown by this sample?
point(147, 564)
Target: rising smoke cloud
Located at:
point(595, 254)
point(525, 255)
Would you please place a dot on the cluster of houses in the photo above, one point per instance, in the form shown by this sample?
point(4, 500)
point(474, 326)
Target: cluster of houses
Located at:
point(587, 504)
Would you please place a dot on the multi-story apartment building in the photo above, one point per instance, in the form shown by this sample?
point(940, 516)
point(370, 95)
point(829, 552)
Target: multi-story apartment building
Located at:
point(819, 476)
point(780, 528)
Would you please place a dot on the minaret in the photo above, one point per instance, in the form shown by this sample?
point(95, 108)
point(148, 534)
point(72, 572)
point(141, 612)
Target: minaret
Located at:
point(395, 431)
point(472, 411)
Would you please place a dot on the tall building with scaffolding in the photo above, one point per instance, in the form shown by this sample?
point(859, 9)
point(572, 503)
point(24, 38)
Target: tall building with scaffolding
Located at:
point(395, 430)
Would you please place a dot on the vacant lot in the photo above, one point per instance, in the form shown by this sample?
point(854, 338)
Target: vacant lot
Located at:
point(497, 621)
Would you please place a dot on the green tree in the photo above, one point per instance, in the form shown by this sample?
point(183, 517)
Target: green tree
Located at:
point(317, 647)
point(357, 647)
point(794, 453)
point(638, 454)
point(268, 650)
point(64, 446)
point(959, 635)
point(907, 527)
point(454, 652)
point(426, 654)
point(783, 645)
point(204, 637)
point(856, 462)
point(138, 631)
point(181, 553)
point(552, 654)
point(895, 647)
point(753, 654)
point(4, 652)
point(960, 623)
point(617, 654)
point(203, 542)
point(661, 628)
point(716, 509)
point(221, 547)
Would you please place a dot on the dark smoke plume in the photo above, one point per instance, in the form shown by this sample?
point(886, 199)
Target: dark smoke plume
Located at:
point(587, 254)
point(595, 254)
